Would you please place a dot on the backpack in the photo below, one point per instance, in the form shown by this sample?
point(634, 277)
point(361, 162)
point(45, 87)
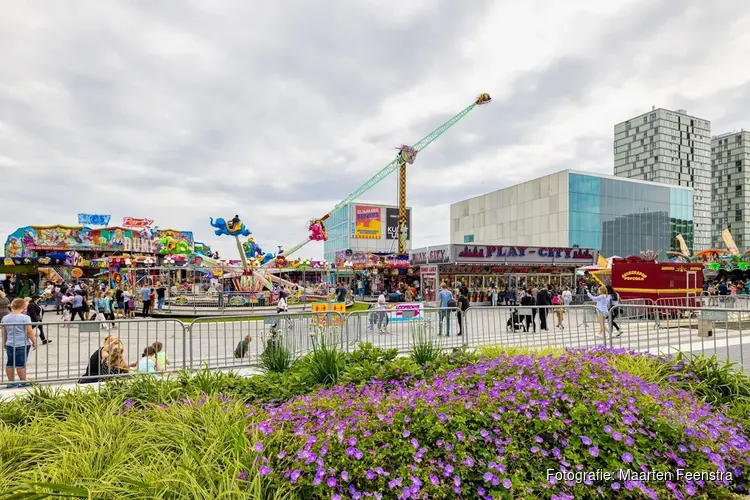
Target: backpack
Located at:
point(556, 300)
point(452, 303)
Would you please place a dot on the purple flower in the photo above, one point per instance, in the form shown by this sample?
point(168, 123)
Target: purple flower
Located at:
point(507, 483)
point(594, 451)
point(460, 435)
point(586, 440)
point(608, 429)
point(616, 436)
point(434, 480)
point(370, 475)
point(242, 475)
point(331, 482)
point(627, 457)
point(345, 476)
point(406, 433)
point(264, 470)
point(615, 486)
point(258, 447)
point(296, 473)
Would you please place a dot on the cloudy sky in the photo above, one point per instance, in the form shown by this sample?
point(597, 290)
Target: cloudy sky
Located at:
point(277, 110)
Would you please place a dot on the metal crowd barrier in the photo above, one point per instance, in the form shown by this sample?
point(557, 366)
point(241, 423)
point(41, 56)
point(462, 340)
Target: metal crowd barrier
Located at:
point(213, 341)
point(701, 330)
point(403, 328)
point(536, 327)
point(639, 324)
point(72, 344)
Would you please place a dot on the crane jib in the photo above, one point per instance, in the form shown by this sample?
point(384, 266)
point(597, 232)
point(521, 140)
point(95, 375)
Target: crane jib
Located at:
point(396, 163)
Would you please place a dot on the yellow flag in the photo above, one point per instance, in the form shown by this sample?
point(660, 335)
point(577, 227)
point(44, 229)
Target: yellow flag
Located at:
point(602, 262)
point(726, 235)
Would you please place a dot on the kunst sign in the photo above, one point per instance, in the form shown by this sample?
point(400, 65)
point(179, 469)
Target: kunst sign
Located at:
point(367, 222)
point(391, 223)
point(524, 254)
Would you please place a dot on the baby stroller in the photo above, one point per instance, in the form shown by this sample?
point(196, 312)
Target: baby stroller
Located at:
point(514, 323)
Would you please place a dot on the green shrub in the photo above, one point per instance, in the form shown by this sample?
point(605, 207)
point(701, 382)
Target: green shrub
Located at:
point(716, 382)
point(425, 347)
point(495, 351)
point(326, 361)
point(276, 357)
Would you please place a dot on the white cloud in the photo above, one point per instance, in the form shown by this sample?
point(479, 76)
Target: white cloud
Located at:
point(278, 111)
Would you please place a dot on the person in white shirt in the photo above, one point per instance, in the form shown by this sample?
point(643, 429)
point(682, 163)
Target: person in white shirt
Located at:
point(567, 296)
point(602, 307)
point(381, 315)
point(281, 306)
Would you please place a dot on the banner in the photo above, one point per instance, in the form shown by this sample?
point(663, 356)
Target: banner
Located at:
point(367, 222)
point(133, 222)
point(94, 219)
point(415, 310)
point(726, 235)
point(391, 223)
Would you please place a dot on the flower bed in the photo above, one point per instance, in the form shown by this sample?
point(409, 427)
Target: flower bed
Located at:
point(495, 429)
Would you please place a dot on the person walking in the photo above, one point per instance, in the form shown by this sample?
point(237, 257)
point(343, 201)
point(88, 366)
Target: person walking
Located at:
point(602, 308)
point(567, 297)
point(109, 308)
point(77, 306)
point(35, 313)
point(527, 303)
point(445, 297)
point(161, 295)
point(19, 340)
point(463, 306)
point(543, 300)
point(614, 303)
point(146, 297)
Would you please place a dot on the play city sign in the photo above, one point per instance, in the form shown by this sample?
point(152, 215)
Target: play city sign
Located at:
point(525, 255)
point(431, 255)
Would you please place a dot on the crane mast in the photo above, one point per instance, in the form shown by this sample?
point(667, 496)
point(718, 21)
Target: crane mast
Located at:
point(406, 156)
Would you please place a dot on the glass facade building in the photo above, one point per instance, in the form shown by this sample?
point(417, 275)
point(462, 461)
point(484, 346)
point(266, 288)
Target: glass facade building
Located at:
point(337, 226)
point(623, 218)
point(342, 230)
point(614, 215)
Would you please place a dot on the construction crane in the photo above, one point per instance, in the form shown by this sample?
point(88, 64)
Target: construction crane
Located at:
point(406, 156)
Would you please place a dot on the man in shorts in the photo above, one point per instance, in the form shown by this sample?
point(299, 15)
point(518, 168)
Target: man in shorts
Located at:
point(19, 339)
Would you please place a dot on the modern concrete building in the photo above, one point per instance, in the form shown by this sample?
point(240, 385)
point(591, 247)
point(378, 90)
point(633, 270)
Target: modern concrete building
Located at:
point(730, 156)
point(670, 147)
point(364, 227)
point(614, 215)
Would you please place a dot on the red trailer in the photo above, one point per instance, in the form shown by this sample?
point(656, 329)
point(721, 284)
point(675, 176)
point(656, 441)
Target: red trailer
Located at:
point(635, 277)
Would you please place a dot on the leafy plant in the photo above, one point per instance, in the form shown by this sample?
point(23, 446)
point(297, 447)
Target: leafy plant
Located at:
point(326, 361)
point(716, 382)
point(425, 348)
point(276, 357)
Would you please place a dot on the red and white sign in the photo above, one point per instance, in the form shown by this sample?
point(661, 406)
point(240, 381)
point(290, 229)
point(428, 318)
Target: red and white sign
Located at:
point(133, 222)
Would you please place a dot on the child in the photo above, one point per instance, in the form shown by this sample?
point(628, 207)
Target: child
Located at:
point(161, 357)
point(243, 347)
point(18, 339)
point(148, 363)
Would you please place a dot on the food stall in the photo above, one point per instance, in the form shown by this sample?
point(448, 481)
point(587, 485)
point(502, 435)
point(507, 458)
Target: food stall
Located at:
point(511, 268)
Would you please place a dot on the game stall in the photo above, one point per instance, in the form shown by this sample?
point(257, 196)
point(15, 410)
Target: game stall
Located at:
point(506, 267)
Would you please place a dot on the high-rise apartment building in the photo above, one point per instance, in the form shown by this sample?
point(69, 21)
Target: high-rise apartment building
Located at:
point(670, 147)
point(730, 155)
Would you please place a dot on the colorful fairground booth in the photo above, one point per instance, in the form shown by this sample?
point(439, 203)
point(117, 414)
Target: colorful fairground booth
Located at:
point(512, 268)
point(372, 273)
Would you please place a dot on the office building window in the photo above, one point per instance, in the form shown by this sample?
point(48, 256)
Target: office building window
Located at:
point(468, 238)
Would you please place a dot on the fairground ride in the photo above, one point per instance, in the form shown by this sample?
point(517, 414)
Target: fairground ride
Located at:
point(406, 156)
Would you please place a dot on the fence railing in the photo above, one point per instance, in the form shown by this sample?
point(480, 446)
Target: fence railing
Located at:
point(217, 342)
